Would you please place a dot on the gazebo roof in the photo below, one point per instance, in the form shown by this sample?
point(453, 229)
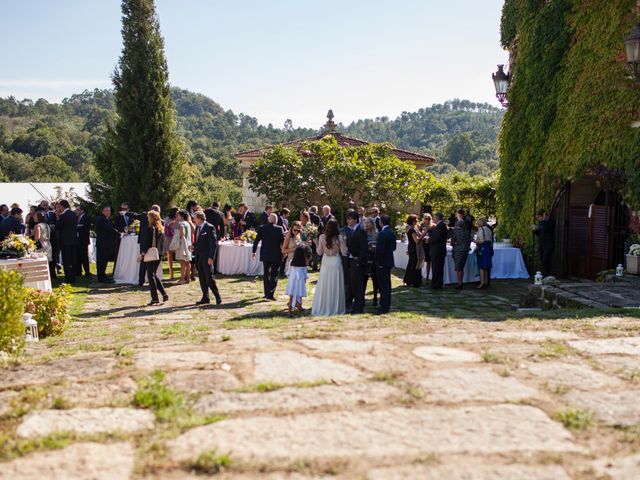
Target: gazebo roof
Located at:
point(329, 129)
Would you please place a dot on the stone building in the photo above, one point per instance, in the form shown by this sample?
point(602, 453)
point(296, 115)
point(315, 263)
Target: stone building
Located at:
point(247, 159)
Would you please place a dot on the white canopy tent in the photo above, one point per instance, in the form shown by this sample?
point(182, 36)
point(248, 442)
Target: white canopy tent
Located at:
point(27, 194)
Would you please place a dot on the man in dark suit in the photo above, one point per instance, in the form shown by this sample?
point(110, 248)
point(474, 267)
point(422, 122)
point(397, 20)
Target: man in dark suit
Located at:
point(124, 217)
point(438, 250)
point(375, 214)
point(215, 217)
point(545, 231)
point(66, 227)
point(264, 216)
point(385, 246)
point(84, 240)
point(247, 219)
point(106, 239)
point(4, 211)
point(326, 214)
point(357, 246)
point(271, 236)
point(205, 247)
point(12, 224)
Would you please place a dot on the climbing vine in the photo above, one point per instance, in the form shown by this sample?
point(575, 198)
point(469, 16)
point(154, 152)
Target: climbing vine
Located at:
point(571, 102)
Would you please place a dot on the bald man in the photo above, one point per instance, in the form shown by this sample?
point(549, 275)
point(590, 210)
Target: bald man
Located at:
point(271, 236)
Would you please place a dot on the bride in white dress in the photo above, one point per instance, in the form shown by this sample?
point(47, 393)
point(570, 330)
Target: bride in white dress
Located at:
point(329, 298)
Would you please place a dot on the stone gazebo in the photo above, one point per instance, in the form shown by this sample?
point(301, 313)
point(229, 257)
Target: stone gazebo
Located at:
point(247, 158)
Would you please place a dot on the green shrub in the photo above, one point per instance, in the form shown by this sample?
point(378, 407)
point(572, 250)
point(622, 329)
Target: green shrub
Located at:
point(50, 309)
point(12, 295)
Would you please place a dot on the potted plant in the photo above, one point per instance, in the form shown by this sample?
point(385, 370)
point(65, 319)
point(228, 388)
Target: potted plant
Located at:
point(633, 259)
point(18, 244)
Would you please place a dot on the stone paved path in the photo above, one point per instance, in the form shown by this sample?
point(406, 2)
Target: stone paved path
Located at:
point(432, 391)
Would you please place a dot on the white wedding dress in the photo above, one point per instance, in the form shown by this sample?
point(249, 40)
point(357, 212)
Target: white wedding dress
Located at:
point(329, 298)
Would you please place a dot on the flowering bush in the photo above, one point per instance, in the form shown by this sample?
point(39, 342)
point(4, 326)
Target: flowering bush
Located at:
point(12, 295)
point(634, 250)
point(49, 309)
point(249, 236)
point(19, 244)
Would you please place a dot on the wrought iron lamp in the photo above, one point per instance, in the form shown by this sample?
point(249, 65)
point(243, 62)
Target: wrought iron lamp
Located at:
point(632, 47)
point(501, 83)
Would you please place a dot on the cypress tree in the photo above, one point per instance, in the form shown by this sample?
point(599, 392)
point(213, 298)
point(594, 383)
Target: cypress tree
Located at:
point(142, 159)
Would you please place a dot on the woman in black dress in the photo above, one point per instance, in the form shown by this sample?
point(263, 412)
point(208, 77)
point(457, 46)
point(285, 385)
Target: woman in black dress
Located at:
point(372, 235)
point(426, 227)
point(413, 274)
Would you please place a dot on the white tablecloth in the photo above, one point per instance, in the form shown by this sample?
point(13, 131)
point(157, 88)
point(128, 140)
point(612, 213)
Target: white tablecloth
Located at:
point(127, 267)
point(507, 263)
point(28, 265)
point(236, 259)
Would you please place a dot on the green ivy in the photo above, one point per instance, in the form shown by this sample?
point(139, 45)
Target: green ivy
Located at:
point(571, 102)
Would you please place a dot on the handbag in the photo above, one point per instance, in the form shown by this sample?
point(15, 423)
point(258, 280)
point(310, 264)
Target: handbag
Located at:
point(152, 254)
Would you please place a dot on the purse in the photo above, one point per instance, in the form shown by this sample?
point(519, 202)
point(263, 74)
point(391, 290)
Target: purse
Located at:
point(152, 254)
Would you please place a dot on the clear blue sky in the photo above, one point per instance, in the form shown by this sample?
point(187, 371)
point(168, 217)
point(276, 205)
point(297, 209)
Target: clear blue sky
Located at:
point(272, 59)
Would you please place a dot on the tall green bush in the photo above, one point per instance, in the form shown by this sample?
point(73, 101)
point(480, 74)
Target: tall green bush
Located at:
point(12, 296)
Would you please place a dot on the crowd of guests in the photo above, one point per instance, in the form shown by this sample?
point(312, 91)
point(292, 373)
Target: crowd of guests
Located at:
point(61, 234)
point(427, 247)
point(347, 256)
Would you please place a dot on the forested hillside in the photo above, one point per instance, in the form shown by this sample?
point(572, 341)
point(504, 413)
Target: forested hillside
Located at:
point(42, 141)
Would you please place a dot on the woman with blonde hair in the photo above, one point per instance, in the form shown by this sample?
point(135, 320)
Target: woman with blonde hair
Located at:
point(151, 253)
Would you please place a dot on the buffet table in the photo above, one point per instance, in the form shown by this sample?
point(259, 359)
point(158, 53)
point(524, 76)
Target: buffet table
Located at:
point(507, 263)
point(127, 269)
point(236, 259)
point(34, 270)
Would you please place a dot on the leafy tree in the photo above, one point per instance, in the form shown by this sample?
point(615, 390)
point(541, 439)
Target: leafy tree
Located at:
point(142, 158)
point(459, 149)
point(324, 172)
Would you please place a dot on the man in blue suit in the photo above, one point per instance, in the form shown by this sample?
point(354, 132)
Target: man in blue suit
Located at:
point(12, 224)
point(385, 246)
point(205, 246)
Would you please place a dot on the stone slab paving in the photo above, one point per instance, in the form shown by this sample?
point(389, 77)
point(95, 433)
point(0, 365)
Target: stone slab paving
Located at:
point(535, 335)
point(613, 408)
point(473, 384)
point(96, 394)
point(393, 432)
point(621, 468)
point(577, 376)
point(172, 359)
point(623, 345)
point(292, 399)
point(80, 461)
point(287, 367)
point(469, 471)
point(381, 362)
point(77, 367)
point(445, 354)
point(202, 380)
point(85, 421)
point(445, 337)
point(342, 346)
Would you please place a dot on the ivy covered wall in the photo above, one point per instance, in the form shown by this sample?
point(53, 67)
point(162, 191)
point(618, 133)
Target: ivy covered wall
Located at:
point(571, 103)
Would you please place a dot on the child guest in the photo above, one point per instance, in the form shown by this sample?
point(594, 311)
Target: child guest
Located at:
point(297, 285)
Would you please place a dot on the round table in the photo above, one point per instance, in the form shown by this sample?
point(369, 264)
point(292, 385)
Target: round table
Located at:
point(127, 269)
point(507, 263)
point(236, 259)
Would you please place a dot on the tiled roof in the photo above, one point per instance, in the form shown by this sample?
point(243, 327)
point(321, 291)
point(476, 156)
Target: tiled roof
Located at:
point(344, 141)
